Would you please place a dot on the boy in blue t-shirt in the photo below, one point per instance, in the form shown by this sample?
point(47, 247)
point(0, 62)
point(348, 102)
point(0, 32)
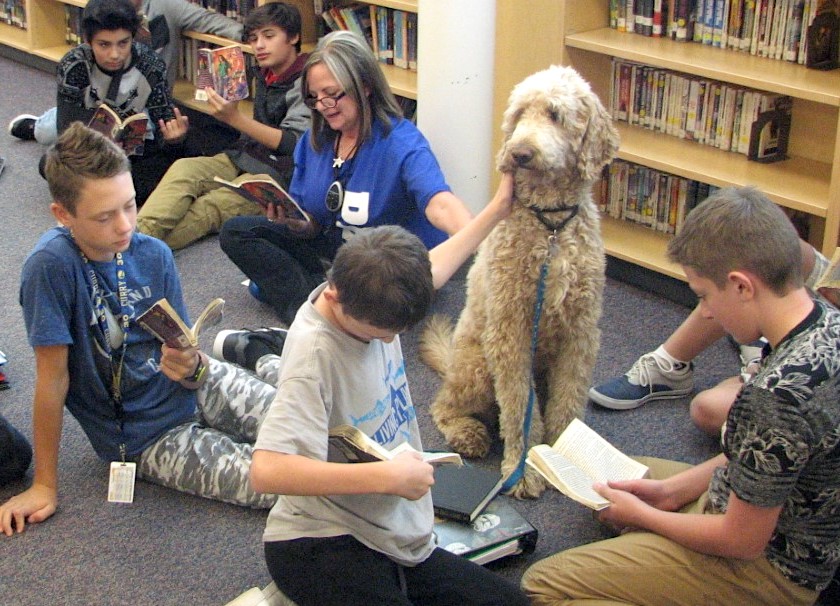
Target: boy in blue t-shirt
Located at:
point(170, 412)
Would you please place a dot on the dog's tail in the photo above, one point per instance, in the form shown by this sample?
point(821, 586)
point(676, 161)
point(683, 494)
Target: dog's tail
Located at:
point(436, 342)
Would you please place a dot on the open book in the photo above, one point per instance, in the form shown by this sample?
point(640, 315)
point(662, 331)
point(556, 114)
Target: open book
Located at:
point(828, 284)
point(222, 69)
point(264, 190)
point(348, 444)
point(578, 459)
point(130, 134)
point(163, 322)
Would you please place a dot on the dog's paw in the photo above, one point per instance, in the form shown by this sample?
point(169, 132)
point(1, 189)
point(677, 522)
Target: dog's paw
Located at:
point(468, 437)
point(530, 486)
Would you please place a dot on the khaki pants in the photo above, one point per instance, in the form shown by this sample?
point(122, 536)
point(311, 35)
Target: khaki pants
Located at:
point(646, 569)
point(188, 204)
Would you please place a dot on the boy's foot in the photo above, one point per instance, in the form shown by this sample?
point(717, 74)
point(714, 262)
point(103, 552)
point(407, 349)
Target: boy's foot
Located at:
point(23, 127)
point(245, 347)
point(750, 355)
point(650, 378)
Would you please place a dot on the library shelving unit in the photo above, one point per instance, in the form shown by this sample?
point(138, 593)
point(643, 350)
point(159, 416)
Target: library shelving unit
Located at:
point(808, 182)
point(44, 37)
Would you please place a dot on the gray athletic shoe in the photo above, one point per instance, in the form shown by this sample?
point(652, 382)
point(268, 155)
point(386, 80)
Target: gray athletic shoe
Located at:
point(650, 378)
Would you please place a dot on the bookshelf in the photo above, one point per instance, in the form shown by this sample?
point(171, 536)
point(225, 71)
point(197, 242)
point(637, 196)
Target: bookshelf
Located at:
point(808, 182)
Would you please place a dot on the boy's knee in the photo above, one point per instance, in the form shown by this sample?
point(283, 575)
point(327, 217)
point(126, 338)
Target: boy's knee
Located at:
point(707, 412)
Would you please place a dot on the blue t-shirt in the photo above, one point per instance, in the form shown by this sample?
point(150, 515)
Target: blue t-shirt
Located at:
point(389, 181)
point(57, 299)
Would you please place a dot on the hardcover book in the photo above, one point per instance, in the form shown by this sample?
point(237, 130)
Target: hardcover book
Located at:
point(130, 133)
point(500, 531)
point(222, 69)
point(462, 493)
point(579, 458)
point(166, 324)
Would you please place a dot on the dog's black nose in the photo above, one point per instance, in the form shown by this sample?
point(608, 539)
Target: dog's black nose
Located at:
point(523, 156)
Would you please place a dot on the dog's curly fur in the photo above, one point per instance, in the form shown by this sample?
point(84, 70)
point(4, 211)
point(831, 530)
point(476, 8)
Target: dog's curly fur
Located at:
point(558, 137)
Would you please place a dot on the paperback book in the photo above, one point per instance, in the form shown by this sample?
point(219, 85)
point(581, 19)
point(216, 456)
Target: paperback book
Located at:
point(130, 133)
point(578, 459)
point(348, 444)
point(222, 69)
point(168, 327)
point(265, 191)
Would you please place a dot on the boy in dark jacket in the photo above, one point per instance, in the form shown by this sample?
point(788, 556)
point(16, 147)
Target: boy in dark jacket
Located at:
point(188, 204)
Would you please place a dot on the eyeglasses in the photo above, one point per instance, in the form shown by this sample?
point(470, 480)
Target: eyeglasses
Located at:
point(329, 101)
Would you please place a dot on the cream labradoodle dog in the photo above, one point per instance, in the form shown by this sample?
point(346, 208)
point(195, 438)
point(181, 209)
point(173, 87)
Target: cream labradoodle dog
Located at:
point(558, 137)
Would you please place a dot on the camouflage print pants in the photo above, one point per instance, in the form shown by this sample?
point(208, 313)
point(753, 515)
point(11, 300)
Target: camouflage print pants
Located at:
point(211, 456)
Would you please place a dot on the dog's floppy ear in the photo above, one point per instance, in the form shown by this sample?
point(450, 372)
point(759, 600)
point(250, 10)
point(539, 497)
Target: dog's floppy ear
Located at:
point(600, 141)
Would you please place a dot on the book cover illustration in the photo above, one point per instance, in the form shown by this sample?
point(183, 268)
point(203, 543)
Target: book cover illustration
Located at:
point(162, 321)
point(130, 134)
point(264, 190)
point(498, 532)
point(224, 70)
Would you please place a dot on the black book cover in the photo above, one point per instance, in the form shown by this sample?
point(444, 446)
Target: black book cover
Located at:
point(461, 493)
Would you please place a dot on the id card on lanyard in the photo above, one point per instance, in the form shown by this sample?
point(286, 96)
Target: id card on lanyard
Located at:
point(122, 473)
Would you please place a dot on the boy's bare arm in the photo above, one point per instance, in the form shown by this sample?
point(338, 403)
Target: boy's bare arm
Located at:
point(449, 255)
point(407, 476)
point(39, 502)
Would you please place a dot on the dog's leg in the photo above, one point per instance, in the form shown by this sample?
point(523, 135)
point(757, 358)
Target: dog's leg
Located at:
point(466, 393)
point(571, 359)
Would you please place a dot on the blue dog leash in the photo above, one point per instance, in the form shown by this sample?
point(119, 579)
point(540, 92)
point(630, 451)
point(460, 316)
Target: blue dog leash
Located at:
point(517, 473)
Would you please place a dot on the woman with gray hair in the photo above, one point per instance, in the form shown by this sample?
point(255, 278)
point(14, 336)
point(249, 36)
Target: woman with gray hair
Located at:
point(361, 165)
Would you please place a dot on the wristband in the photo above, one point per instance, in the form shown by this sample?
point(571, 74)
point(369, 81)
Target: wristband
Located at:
point(199, 372)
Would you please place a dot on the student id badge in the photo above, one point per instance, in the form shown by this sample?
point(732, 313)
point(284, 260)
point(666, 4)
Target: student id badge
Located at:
point(121, 482)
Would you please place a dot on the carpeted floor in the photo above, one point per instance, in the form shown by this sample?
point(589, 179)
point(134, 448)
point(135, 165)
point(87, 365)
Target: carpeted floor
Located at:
point(168, 548)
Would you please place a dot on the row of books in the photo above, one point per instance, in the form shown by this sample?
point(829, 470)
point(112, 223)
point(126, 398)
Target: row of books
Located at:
point(235, 9)
point(13, 12)
point(649, 197)
point(776, 29)
point(713, 113)
point(72, 24)
point(391, 33)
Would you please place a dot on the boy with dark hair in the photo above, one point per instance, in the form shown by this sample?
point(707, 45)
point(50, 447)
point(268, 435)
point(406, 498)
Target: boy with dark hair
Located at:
point(366, 528)
point(757, 524)
point(110, 68)
point(188, 204)
point(186, 421)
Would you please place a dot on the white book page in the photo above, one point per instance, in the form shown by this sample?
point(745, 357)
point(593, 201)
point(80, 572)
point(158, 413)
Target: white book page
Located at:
point(596, 457)
point(570, 476)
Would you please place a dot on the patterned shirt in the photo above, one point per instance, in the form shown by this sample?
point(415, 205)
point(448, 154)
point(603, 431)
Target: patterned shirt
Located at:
point(782, 442)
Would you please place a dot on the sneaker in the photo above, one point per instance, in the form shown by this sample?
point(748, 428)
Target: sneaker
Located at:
point(650, 378)
point(750, 354)
point(254, 290)
point(23, 127)
point(246, 347)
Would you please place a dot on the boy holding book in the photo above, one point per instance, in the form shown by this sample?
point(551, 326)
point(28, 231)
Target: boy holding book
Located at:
point(111, 68)
point(188, 204)
point(187, 421)
point(757, 524)
point(365, 527)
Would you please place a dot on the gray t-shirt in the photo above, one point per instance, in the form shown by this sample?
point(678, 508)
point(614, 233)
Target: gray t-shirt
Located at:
point(330, 378)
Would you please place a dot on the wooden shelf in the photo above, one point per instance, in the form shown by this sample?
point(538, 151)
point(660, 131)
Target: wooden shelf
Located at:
point(184, 93)
point(638, 245)
point(796, 183)
point(15, 37)
point(728, 66)
point(403, 5)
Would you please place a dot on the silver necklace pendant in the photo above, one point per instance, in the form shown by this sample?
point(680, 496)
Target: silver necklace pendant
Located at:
point(337, 162)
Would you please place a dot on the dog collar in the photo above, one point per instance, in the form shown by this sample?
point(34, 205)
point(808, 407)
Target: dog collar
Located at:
point(541, 215)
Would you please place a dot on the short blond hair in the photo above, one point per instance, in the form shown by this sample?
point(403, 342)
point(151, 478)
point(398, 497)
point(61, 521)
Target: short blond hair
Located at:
point(81, 153)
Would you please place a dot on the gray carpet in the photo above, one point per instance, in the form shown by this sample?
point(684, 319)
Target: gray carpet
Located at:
point(169, 548)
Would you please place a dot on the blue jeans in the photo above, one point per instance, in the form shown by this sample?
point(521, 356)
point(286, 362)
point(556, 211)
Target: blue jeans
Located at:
point(341, 570)
point(283, 266)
